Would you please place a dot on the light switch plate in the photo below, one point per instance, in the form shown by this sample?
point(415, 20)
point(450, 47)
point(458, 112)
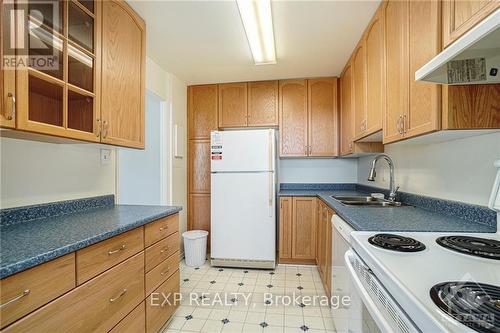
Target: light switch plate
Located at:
point(105, 156)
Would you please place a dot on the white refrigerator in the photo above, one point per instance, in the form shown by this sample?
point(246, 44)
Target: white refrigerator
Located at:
point(243, 198)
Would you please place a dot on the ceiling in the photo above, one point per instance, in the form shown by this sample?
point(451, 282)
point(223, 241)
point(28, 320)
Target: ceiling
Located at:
point(204, 41)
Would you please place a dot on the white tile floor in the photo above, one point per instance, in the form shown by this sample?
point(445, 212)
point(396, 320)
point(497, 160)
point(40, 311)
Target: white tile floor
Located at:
point(217, 302)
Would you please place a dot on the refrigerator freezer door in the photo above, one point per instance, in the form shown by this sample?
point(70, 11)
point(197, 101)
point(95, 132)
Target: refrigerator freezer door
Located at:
point(242, 150)
point(243, 221)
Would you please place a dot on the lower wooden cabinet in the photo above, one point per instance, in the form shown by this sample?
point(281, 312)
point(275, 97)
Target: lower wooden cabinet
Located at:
point(324, 245)
point(134, 322)
point(297, 230)
point(162, 303)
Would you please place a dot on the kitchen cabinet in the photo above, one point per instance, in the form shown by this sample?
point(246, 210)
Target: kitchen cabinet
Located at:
point(199, 212)
point(359, 91)
point(308, 117)
point(233, 105)
point(298, 216)
point(202, 111)
point(324, 245)
point(459, 16)
point(123, 75)
point(7, 76)
point(263, 104)
point(199, 166)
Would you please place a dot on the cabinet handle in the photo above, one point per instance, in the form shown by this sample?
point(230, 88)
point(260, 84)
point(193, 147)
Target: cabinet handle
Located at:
point(165, 249)
point(105, 129)
point(16, 298)
point(400, 131)
point(121, 248)
point(10, 107)
point(404, 123)
point(350, 146)
point(114, 299)
point(164, 228)
point(99, 127)
point(165, 272)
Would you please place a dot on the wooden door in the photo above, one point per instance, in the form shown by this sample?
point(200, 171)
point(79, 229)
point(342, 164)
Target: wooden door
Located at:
point(424, 43)
point(199, 166)
point(346, 111)
point(7, 76)
point(123, 75)
point(322, 110)
point(359, 77)
point(396, 53)
point(293, 118)
point(285, 232)
point(199, 212)
point(263, 103)
point(233, 105)
point(459, 16)
point(375, 73)
point(202, 111)
point(304, 228)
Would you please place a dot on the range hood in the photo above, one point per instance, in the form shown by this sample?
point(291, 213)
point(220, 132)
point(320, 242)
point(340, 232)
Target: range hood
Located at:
point(474, 58)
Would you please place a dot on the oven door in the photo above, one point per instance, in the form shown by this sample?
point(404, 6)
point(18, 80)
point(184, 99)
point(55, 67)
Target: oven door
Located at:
point(372, 308)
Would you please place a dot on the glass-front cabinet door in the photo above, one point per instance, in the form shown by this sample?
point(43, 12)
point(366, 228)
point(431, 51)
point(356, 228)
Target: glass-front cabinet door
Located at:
point(7, 71)
point(56, 82)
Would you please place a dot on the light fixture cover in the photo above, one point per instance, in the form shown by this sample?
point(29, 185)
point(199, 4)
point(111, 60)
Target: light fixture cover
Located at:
point(258, 23)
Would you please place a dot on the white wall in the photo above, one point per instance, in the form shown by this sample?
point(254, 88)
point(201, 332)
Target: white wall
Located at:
point(36, 172)
point(318, 171)
point(460, 170)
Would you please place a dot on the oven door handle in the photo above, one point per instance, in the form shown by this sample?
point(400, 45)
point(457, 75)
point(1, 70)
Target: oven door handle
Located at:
point(376, 314)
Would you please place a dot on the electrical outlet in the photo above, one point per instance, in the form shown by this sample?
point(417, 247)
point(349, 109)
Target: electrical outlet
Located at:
point(105, 156)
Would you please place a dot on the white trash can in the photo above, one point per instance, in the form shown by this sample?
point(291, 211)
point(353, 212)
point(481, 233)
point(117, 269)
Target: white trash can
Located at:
point(195, 247)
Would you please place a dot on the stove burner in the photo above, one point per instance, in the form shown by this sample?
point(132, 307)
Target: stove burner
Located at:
point(475, 305)
point(396, 243)
point(480, 247)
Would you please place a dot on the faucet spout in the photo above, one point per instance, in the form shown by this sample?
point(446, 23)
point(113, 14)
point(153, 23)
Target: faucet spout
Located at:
point(373, 174)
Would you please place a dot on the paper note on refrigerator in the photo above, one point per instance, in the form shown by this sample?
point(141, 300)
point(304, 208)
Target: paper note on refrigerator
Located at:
point(216, 145)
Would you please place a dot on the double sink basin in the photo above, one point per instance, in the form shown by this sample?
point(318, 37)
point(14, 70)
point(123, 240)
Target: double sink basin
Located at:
point(366, 201)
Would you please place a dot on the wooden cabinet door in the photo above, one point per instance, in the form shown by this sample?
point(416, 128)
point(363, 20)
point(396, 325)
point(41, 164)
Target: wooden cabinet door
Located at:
point(285, 232)
point(359, 77)
point(320, 207)
point(263, 103)
point(293, 118)
point(329, 254)
point(304, 228)
point(202, 111)
point(7, 76)
point(324, 222)
point(375, 72)
point(424, 43)
point(233, 105)
point(346, 111)
point(199, 213)
point(123, 75)
point(199, 166)
point(396, 51)
point(459, 16)
point(322, 109)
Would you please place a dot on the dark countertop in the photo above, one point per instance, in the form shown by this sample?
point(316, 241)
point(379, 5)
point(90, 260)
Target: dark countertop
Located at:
point(406, 218)
point(33, 242)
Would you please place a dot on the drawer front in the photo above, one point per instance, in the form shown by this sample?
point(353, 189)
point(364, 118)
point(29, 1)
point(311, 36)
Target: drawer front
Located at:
point(158, 311)
point(95, 259)
point(26, 291)
point(161, 250)
point(134, 322)
point(95, 306)
point(160, 273)
point(162, 228)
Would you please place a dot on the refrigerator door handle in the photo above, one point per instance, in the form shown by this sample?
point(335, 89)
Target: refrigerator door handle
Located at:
point(271, 193)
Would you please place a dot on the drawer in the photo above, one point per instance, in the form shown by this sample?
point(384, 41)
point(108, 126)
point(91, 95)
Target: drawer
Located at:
point(160, 273)
point(162, 228)
point(96, 306)
point(95, 259)
point(28, 290)
point(161, 250)
point(134, 322)
point(157, 315)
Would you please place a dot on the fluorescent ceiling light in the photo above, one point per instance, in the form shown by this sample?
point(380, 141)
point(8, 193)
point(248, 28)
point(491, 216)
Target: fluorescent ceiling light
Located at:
point(258, 22)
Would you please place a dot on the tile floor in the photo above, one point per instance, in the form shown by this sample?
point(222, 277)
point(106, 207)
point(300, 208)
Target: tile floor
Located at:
point(238, 300)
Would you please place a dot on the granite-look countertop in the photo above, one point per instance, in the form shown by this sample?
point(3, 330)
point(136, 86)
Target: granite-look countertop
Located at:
point(405, 218)
point(29, 243)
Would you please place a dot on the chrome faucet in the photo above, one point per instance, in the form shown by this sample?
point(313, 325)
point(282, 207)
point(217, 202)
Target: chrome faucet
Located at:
point(373, 174)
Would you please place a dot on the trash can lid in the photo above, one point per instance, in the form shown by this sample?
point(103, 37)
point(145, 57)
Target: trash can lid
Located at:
point(195, 234)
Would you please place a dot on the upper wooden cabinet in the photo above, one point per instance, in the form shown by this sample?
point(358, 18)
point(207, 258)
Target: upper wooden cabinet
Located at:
point(233, 105)
point(123, 75)
point(459, 16)
point(308, 118)
point(359, 92)
point(7, 76)
point(293, 118)
point(263, 103)
point(94, 90)
point(202, 111)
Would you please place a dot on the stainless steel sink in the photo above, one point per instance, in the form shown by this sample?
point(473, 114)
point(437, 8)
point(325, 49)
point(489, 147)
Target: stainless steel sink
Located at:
point(366, 201)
